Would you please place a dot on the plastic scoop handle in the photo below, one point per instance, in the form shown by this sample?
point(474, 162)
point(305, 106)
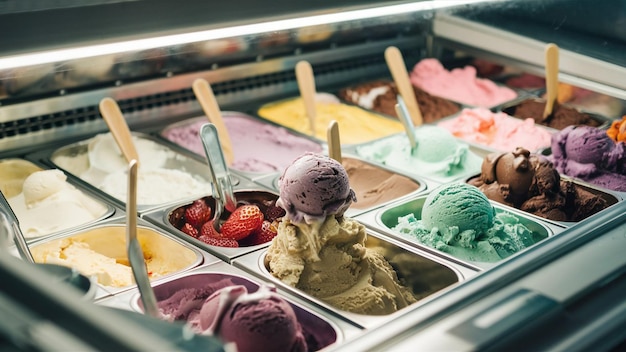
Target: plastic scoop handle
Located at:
point(119, 129)
point(204, 94)
point(552, 78)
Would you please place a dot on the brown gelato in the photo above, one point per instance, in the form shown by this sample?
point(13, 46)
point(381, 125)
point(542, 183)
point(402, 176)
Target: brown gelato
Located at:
point(560, 118)
point(530, 183)
point(373, 185)
point(381, 96)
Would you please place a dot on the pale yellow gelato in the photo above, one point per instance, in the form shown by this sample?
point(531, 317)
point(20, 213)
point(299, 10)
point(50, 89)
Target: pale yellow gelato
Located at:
point(101, 252)
point(329, 260)
point(355, 124)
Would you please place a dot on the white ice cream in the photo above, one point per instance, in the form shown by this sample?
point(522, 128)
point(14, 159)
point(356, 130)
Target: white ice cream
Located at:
point(105, 167)
point(49, 204)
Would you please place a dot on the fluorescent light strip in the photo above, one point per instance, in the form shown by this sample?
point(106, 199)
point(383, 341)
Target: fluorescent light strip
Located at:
point(52, 56)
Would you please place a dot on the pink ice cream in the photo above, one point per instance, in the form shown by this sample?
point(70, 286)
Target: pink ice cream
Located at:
point(460, 84)
point(257, 146)
point(497, 130)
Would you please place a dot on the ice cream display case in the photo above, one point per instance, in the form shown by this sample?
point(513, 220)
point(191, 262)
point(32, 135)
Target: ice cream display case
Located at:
point(486, 224)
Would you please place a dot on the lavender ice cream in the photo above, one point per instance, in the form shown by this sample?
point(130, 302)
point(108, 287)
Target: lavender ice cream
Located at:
point(589, 154)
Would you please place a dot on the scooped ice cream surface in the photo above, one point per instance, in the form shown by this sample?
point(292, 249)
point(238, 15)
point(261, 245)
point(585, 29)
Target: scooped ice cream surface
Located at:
point(48, 204)
point(322, 252)
point(258, 321)
point(589, 154)
point(314, 186)
point(529, 182)
point(458, 219)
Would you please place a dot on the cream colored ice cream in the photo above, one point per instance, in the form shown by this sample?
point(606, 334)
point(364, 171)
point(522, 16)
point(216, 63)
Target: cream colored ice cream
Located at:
point(48, 203)
point(158, 181)
point(101, 252)
point(356, 125)
point(322, 252)
point(329, 260)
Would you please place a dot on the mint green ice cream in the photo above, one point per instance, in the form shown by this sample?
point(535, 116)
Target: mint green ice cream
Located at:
point(438, 155)
point(458, 219)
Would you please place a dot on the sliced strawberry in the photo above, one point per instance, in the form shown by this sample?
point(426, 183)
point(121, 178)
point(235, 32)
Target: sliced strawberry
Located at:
point(197, 213)
point(209, 231)
point(242, 222)
point(220, 242)
point(264, 234)
point(190, 230)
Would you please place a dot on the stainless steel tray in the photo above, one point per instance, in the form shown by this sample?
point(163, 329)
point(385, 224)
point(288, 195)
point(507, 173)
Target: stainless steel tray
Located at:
point(385, 218)
point(108, 239)
point(13, 173)
point(312, 318)
point(73, 158)
point(426, 274)
point(162, 218)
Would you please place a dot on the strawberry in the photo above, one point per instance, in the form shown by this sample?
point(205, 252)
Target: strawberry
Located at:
point(197, 213)
point(264, 234)
point(190, 230)
point(209, 231)
point(220, 242)
point(242, 222)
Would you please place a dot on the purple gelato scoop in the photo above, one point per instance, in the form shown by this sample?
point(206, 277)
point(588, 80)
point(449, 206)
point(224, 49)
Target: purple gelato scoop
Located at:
point(260, 321)
point(589, 154)
point(313, 187)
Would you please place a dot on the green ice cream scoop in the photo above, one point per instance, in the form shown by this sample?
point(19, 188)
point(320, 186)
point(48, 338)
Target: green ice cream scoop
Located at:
point(458, 208)
point(458, 219)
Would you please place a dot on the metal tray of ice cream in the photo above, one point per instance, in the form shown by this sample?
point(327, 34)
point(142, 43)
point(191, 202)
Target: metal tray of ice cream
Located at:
point(380, 189)
point(473, 156)
point(161, 218)
point(48, 215)
point(604, 121)
point(260, 146)
point(326, 330)
point(427, 275)
point(611, 198)
point(108, 239)
point(331, 99)
point(183, 177)
point(384, 219)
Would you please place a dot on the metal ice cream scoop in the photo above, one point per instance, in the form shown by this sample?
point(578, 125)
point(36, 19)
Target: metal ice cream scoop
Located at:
point(220, 175)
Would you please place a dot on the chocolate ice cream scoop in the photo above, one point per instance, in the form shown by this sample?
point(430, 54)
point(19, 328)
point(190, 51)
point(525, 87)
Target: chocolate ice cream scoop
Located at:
point(313, 187)
point(530, 183)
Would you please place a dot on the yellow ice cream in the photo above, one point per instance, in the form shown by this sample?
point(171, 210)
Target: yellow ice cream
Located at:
point(355, 124)
point(101, 252)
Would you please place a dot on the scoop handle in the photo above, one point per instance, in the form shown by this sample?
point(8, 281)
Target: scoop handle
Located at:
point(552, 78)
point(306, 85)
point(396, 65)
point(119, 128)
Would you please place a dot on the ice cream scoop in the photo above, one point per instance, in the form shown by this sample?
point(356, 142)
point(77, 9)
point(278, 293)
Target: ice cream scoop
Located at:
point(313, 187)
point(259, 321)
point(458, 210)
point(590, 154)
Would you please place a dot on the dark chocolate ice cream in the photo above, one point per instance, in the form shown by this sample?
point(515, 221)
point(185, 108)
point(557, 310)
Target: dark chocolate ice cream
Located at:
point(530, 183)
point(381, 96)
point(561, 117)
